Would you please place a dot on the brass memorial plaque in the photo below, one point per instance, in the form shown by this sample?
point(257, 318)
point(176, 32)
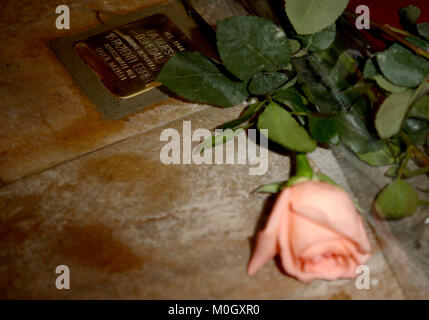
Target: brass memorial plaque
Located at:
point(127, 59)
point(116, 64)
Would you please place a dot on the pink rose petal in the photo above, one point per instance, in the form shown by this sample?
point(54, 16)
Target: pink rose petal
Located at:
point(317, 231)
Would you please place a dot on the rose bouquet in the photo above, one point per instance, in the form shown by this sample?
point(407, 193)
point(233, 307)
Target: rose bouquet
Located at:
point(311, 83)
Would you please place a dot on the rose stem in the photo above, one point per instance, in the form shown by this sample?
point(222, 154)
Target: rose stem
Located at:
point(423, 203)
point(393, 32)
point(303, 168)
point(423, 170)
point(404, 164)
point(415, 151)
point(400, 31)
point(303, 171)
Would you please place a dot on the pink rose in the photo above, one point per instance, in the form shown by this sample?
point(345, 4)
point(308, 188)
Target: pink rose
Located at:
point(317, 232)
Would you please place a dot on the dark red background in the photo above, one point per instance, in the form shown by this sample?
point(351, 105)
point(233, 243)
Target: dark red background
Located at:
point(386, 11)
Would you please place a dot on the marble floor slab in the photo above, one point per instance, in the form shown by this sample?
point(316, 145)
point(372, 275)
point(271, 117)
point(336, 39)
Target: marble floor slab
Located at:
point(24, 11)
point(45, 118)
point(129, 226)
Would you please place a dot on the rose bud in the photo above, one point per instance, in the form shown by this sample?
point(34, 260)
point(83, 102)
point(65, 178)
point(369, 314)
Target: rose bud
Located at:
point(317, 232)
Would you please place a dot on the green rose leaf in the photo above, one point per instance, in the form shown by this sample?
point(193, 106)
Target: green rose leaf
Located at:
point(247, 115)
point(393, 172)
point(391, 113)
point(420, 108)
point(273, 187)
point(311, 16)
point(354, 133)
point(196, 78)
point(290, 83)
point(263, 83)
point(370, 70)
point(409, 16)
point(423, 29)
point(250, 44)
point(284, 130)
point(401, 67)
point(300, 53)
point(406, 173)
point(344, 72)
point(325, 82)
point(422, 90)
point(292, 99)
point(380, 157)
point(319, 41)
point(324, 178)
point(416, 130)
point(419, 42)
point(397, 200)
point(387, 85)
point(324, 130)
point(295, 46)
point(219, 139)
